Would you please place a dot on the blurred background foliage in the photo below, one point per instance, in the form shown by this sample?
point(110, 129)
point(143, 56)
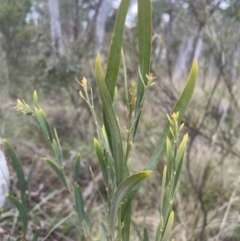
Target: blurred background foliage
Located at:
point(46, 44)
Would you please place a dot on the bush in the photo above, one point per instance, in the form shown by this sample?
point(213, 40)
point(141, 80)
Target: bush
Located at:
point(113, 147)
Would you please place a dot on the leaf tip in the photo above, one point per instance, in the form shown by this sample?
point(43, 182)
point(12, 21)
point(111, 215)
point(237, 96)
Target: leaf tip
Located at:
point(195, 66)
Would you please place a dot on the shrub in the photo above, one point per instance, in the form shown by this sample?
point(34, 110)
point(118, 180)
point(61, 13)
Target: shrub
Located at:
point(112, 149)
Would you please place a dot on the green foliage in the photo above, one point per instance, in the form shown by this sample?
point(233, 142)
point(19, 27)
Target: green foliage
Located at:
point(18, 169)
point(112, 152)
point(170, 177)
point(22, 212)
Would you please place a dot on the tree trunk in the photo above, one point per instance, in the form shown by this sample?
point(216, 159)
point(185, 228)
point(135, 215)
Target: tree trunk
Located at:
point(104, 9)
point(56, 32)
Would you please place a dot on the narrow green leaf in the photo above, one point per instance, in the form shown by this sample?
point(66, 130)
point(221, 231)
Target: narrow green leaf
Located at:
point(144, 35)
point(42, 120)
point(145, 234)
point(58, 224)
point(127, 224)
point(30, 179)
point(60, 157)
point(169, 158)
point(79, 201)
point(36, 235)
point(168, 227)
point(115, 49)
point(87, 221)
point(181, 149)
point(163, 188)
point(77, 168)
point(57, 170)
point(122, 190)
point(178, 172)
point(125, 79)
point(57, 152)
point(20, 238)
point(102, 161)
point(17, 166)
point(21, 210)
point(159, 229)
point(105, 231)
point(180, 107)
point(35, 99)
point(111, 123)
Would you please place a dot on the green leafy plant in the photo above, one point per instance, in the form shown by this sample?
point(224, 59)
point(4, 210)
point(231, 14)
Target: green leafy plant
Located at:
point(113, 143)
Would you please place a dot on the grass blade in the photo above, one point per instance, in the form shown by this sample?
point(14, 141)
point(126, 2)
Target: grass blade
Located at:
point(17, 166)
point(115, 49)
point(21, 210)
point(121, 192)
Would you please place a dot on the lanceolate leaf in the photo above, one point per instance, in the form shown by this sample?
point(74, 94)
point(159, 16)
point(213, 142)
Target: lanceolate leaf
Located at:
point(79, 201)
point(57, 152)
point(122, 190)
point(18, 169)
point(57, 170)
point(29, 182)
point(76, 168)
point(145, 234)
point(180, 107)
point(115, 50)
point(168, 227)
point(144, 35)
point(22, 211)
point(58, 223)
point(102, 161)
point(127, 224)
point(110, 123)
point(36, 234)
point(35, 98)
point(42, 120)
point(59, 149)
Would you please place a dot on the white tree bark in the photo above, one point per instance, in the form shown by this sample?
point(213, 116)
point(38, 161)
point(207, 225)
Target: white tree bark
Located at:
point(103, 12)
point(4, 179)
point(187, 49)
point(56, 32)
